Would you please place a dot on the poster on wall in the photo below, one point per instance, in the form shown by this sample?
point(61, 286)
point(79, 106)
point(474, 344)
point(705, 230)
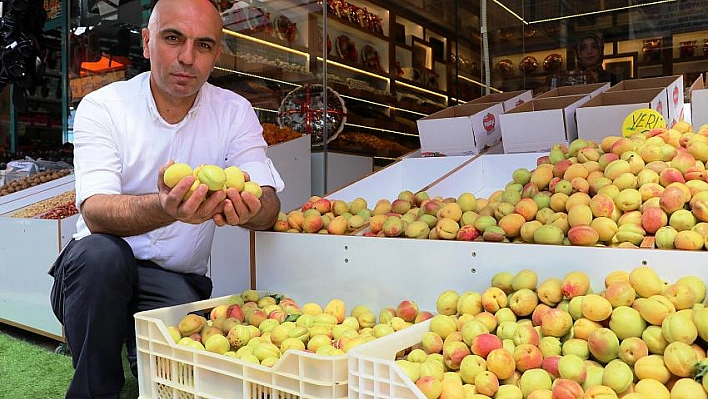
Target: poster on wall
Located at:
point(53, 9)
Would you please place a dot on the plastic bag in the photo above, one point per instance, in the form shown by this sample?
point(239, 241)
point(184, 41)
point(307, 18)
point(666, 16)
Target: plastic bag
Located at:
point(26, 167)
point(19, 169)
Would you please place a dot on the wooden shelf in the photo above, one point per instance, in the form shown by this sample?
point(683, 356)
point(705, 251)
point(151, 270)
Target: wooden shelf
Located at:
point(333, 18)
point(358, 66)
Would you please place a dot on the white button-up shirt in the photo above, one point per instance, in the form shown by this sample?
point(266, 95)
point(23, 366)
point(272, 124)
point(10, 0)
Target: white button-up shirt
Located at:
point(121, 141)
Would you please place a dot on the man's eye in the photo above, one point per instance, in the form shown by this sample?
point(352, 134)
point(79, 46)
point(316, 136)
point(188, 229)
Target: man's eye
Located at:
point(205, 46)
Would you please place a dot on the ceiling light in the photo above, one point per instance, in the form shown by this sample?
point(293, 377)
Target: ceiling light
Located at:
point(510, 11)
point(584, 14)
point(629, 7)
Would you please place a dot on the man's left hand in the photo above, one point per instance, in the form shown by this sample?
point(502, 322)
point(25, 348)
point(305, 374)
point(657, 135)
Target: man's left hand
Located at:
point(238, 208)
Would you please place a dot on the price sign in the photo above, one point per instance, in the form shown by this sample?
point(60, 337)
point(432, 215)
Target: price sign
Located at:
point(641, 121)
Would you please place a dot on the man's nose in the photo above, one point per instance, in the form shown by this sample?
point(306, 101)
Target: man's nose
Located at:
point(186, 54)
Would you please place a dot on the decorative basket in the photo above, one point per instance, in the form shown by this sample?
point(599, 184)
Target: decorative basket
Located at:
point(303, 111)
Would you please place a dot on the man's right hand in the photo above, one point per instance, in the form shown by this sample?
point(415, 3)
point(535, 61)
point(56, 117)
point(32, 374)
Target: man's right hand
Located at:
point(198, 208)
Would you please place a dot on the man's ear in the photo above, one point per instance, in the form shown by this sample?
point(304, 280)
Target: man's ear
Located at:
point(145, 33)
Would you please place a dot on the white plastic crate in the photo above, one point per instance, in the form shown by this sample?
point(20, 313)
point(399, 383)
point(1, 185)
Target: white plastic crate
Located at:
point(171, 371)
point(373, 372)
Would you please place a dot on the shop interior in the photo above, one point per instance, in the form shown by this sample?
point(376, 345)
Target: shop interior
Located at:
point(339, 87)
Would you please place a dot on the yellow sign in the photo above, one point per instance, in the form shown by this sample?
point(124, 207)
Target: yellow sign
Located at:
point(642, 121)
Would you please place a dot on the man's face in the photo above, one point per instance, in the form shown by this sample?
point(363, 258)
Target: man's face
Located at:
point(182, 44)
point(590, 52)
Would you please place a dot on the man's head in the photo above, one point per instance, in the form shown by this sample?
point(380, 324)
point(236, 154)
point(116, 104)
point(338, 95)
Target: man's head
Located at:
point(590, 51)
point(182, 41)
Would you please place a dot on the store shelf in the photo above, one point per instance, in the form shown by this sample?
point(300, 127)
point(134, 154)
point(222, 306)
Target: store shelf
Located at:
point(401, 100)
point(355, 67)
point(338, 23)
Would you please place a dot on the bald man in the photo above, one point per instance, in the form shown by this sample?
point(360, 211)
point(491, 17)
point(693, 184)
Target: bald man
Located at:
point(138, 245)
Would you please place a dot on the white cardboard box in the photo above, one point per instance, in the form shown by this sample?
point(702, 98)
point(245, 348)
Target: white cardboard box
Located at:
point(412, 174)
point(592, 90)
point(672, 106)
point(699, 103)
point(541, 123)
point(509, 99)
point(603, 115)
point(460, 130)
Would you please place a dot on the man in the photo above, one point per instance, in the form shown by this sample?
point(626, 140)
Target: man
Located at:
point(138, 245)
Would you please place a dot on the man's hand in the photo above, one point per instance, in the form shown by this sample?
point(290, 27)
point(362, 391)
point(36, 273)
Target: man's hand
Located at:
point(247, 211)
point(198, 208)
point(238, 208)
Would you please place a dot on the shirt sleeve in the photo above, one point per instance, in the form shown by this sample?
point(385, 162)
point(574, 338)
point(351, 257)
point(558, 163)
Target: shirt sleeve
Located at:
point(97, 161)
point(247, 150)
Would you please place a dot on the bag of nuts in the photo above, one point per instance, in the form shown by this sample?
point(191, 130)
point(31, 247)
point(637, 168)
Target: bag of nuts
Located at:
point(19, 169)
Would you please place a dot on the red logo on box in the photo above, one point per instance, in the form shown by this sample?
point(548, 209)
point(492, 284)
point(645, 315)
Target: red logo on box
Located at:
point(489, 122)
point(676, 94)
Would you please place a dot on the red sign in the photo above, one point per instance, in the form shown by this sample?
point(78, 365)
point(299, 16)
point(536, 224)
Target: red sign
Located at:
point(489, 122)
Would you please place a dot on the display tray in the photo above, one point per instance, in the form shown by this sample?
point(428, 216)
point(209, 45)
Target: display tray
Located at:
point(168, 370)
point(376, 271)
point(31, 195)
point(428, 267)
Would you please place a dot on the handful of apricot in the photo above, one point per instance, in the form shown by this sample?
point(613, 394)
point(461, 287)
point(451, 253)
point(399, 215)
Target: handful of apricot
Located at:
point(213, 176)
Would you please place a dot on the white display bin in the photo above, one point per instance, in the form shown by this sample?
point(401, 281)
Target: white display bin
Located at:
point(379, 271)
point(293, 162)
point(28, 247)
point(229, 264)
point(342, 169)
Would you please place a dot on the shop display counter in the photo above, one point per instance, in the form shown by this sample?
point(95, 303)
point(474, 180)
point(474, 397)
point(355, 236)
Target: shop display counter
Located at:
point(31, 195)
point(376, 271)
point(381, 271)
point(28, 247)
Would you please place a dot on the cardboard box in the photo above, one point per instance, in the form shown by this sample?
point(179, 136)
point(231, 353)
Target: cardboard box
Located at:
point(592, 90)
point(699, 103)
point(508, 99)
point(673, 97)
point(603, 115)
point(460, 130)
point(541, 123)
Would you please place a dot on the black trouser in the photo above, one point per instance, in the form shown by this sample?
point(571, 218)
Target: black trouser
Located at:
point(98, 286)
